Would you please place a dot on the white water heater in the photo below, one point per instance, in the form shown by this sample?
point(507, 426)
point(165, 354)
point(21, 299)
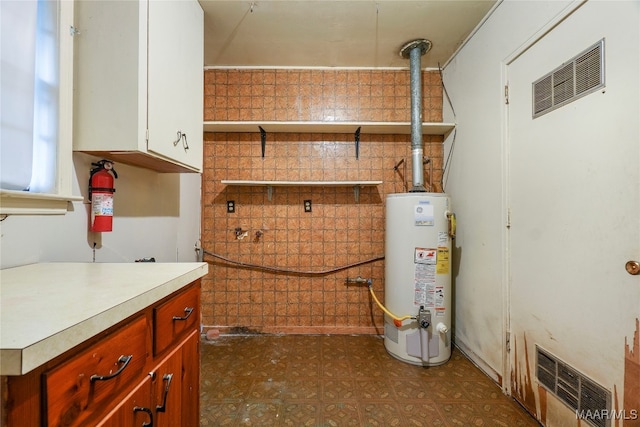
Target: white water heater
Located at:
point(419, 229)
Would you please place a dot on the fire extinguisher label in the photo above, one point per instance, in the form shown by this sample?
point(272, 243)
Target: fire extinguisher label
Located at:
point(102, 204)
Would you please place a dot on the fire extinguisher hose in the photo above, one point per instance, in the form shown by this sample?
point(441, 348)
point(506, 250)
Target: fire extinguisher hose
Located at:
point(396, 319)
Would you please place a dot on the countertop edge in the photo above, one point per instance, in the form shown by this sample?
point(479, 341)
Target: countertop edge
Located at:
point(22, 361)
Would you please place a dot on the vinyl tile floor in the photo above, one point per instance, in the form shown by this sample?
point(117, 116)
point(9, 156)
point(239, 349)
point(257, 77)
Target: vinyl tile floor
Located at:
point(340, 380)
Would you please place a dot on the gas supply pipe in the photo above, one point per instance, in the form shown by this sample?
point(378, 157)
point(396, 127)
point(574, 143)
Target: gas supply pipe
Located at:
point(397, 320)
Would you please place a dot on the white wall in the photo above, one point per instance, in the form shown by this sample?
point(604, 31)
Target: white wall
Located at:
point(156, 215)
point(475, 177)
point(573, 326)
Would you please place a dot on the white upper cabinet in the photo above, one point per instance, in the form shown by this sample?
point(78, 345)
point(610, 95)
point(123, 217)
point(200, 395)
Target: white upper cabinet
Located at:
point(138, 92)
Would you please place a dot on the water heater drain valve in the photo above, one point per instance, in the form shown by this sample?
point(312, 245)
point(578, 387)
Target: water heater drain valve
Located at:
point(442, 328)
point(424, 317)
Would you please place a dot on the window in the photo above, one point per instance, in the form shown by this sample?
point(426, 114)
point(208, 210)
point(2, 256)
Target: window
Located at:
point(36, 86)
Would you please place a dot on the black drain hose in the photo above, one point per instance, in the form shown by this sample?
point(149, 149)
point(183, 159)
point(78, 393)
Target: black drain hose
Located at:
point(286, 270)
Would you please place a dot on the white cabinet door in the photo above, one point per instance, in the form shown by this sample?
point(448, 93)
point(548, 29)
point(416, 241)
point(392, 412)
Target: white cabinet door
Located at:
point(175, 80)
point(110, 91)
point(139, 76)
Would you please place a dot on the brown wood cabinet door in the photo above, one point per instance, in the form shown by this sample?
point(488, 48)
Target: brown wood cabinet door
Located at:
point(135, 410)
point(167, 390)
point(88, 384)
point(191, 381)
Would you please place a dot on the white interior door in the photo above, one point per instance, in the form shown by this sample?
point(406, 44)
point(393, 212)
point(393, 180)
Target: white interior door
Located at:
point(574, 200)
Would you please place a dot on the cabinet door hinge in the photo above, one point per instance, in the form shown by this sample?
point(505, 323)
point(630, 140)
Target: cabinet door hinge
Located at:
point(146, 135)
point(507, 342)
point(506, 94)
point(508, 218)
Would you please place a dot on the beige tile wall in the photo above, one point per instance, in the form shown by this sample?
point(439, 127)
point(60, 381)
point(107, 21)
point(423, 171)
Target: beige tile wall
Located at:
point(339, 231)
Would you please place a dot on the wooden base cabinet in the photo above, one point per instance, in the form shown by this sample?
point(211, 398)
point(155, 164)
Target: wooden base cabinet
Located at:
point(121, 378)
point(163, 398)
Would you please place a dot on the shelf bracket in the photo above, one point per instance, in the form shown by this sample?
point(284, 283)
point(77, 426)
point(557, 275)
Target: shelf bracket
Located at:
point(357, 138)
point(356, 193)
point(269, 192)
point(263, 140)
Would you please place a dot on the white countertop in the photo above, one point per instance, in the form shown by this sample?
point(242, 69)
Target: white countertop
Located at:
point(47, 309)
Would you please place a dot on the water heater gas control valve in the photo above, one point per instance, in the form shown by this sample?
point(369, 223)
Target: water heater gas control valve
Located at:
point(424, 317)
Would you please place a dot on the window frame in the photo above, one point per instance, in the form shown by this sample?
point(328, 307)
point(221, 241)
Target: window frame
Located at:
point(57, 202)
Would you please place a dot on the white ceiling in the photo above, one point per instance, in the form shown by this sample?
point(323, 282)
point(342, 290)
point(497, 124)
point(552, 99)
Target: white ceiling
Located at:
point(334, 33)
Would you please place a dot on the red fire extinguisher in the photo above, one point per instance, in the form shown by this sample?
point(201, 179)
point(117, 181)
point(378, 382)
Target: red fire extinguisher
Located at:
point(101, 195)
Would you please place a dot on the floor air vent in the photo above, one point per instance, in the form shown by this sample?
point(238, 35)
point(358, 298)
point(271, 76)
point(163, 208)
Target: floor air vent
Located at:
point(590, 401)
point(573, 79)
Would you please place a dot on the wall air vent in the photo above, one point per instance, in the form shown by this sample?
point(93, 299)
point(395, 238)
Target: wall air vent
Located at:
point(573, 79)
point(590, 401)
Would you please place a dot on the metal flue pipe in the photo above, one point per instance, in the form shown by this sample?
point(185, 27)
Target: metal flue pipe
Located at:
point(414, 50)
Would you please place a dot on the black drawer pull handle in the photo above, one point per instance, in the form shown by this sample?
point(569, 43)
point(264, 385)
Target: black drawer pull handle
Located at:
point(188, 311)
point(167, 378)
point(146, 410)
point(123, 359)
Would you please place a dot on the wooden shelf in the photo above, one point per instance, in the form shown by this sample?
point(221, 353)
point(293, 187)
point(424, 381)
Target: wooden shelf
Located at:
point(326, 127)
point(270, 184)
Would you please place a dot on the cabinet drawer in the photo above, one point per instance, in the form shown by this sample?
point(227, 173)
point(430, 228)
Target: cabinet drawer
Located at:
point(175, 318)
point(95, 379)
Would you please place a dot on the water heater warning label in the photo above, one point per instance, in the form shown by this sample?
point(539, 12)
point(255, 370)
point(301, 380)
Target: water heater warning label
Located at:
point(443, 238)
point(425, 256)
point(442, 265)
point(425, 277)
point(425, 284)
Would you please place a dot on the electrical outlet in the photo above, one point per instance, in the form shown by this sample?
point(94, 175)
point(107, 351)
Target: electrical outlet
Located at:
point(307, 205)
point(231, 206)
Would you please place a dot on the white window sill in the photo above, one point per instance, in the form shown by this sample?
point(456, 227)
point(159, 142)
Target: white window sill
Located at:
point(25, 203)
